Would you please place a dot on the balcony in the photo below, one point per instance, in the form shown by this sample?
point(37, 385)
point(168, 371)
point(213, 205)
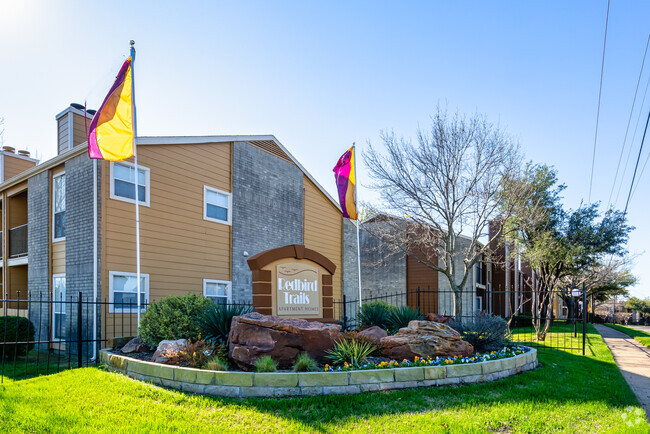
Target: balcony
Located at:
point(18, 241)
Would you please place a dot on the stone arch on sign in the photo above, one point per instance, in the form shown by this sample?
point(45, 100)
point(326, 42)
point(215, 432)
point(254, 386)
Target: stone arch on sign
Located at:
point(309, 299)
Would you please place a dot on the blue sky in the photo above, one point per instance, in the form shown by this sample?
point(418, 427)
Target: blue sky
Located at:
point(320, 75)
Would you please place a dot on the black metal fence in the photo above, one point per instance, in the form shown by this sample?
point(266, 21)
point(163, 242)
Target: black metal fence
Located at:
point(40, 336)
point(543, 320)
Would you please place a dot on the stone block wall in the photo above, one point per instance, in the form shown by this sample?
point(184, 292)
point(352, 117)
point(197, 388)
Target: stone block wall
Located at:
point(79, 241)
point(267, 201)
point(38, 248)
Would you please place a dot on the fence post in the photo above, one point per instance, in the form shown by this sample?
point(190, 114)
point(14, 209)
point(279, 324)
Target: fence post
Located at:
point(79, 351)
point(584, 317)
point(419, 309)
point(345, 317)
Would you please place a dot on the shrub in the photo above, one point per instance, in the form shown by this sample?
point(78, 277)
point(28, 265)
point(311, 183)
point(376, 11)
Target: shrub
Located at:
point(215, 321)
point(217, 363)
point(350, 351)
point(172, 318)
point(486, 332)
point(266, 364)
point(195, 354)
point(400, 317)
point(16, 329)
point(304, 363)
point(375, 313)
point(355, 336)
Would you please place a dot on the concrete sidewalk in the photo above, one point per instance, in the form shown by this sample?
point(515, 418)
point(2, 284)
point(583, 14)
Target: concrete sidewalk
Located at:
point(642, 328)
point(633, 359)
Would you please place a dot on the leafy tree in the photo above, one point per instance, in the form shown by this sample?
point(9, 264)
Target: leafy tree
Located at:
point(638, 305)
point(563, 247)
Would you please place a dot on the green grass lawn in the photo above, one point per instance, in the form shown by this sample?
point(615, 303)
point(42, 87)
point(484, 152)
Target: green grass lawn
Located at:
point(638, 335)
point(35, 364)
point(569, 393)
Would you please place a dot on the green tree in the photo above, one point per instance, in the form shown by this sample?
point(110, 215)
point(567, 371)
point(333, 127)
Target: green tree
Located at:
point(638, 305)
point(563, 247)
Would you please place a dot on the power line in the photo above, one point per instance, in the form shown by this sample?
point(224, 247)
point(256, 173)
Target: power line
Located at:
point(600, 91)
point(629, 154)
point(637, 163)
point(609, 201)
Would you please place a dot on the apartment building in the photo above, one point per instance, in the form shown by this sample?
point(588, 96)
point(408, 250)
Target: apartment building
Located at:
point(386, 270)
point(207, 204)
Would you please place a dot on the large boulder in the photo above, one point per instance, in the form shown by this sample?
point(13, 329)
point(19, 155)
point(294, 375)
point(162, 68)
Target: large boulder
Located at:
point(255, 335)
point(374, 333)
point(135, 345)
point(166, 349)
point(425, 339)
point(442, 319)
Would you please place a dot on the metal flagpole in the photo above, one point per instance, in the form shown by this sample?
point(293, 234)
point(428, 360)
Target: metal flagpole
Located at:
point(137, 174)
point(356, 181)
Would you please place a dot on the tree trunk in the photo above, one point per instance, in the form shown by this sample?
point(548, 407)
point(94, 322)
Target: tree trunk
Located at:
point(458, 305)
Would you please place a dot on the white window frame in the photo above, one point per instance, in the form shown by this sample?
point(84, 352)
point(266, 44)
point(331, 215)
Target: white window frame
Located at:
point(222, 282)
point(54, 305)
point(54, 239)
point(205, 205)
point(147, 186)
point(111, 293)
point(480, 303)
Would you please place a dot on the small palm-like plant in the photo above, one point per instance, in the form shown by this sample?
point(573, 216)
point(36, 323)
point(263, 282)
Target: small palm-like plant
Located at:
point(304, 363)
point(215, 321)
point(266, 364)
point(350, 351)
point(375, 313)
point(401, 316)
point(217, 363)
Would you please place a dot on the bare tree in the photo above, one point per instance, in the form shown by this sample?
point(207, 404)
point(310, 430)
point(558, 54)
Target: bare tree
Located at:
point(442, 193)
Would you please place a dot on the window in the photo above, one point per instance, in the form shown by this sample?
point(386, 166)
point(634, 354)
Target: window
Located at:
point(217, 290)
point(123, 183)
point(58, 207)
point(59, 307)
point(478, 304)
point(216, 205)
point(123, 291)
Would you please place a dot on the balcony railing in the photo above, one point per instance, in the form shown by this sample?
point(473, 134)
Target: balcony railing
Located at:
point(18, 241)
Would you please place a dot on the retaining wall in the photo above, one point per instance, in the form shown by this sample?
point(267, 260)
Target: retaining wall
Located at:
point(249, 384)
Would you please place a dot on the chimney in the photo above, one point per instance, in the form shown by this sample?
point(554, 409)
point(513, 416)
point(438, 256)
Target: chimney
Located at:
point(72, 124)
point(13, 163)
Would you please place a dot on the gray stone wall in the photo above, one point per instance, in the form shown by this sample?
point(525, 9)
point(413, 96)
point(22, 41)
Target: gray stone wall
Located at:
point(267, 210)
point(38, 243)
point(446, 298)
point(383, 269)
point(79, 239)
point(349, 267)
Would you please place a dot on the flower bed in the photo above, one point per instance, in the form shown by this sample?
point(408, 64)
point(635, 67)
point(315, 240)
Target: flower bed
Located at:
point(389, 376)
point(505, 353)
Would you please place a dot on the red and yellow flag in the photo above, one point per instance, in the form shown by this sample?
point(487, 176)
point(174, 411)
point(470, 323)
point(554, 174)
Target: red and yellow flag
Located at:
point(111, 134)
point(344, 172)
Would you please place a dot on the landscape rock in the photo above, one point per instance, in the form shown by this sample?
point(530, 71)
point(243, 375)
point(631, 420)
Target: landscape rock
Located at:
point(135, 345)
point(442, 319)
point(255, 335)
point(375, 333)
point(165, 346)
point(425, 339)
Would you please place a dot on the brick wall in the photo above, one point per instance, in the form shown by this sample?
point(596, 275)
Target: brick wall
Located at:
point(38, 247)
point(267, 201)
point(79, 238)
